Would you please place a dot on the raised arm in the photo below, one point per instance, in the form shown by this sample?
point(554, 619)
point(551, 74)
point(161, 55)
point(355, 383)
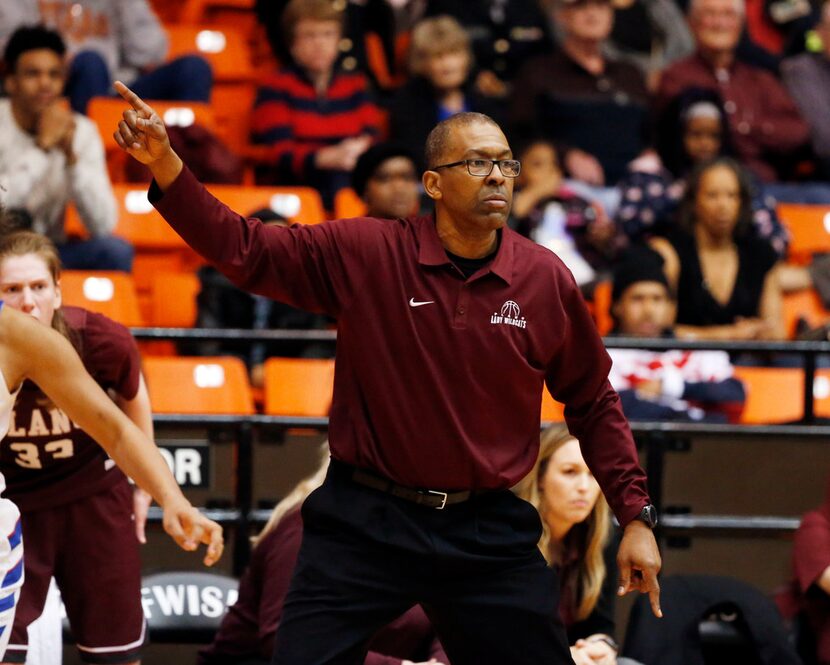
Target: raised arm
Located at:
point(34, 351)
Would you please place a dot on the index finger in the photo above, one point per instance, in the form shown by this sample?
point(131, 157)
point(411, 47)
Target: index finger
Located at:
point(653, 588)
point(131, 98)
point(215, 544)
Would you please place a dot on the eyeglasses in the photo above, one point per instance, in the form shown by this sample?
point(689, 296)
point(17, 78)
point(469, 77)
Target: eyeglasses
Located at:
point(510, 168)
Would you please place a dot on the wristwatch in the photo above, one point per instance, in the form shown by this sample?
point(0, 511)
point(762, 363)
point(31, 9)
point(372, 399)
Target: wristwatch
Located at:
point(648, 515)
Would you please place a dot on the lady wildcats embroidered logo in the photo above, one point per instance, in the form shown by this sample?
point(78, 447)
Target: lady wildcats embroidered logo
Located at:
point(510, 315)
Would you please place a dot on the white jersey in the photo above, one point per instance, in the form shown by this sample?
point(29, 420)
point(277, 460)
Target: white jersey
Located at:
point(11, 542)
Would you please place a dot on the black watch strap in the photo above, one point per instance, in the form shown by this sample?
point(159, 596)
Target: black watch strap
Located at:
point(648, 515)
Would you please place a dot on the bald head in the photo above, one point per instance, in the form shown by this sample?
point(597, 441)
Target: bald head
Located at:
point(438, 141)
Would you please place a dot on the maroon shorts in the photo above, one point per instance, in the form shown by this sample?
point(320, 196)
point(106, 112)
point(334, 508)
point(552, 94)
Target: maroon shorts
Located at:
point(91, 549)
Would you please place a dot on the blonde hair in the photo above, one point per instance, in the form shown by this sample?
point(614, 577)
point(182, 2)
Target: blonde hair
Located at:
point(433, 36)
point(589, 537)
point(297, 495)
point(20, 243)
point(308, 10)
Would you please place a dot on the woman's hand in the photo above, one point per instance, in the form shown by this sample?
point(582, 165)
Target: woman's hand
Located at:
point(188, 527)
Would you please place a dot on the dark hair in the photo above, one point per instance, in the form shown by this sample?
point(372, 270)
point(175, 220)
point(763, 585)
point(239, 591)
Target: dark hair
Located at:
point(439, 137)
point(671, 129)
point(31, 38)
point(686, 210)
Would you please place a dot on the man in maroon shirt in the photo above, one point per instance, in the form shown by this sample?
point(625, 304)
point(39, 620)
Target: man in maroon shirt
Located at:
point(448, 325)
point(765, 126)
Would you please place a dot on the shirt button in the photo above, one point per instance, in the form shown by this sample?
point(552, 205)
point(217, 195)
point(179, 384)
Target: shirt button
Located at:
point(461, 309)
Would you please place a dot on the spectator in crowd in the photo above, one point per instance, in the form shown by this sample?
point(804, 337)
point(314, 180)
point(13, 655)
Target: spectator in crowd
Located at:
point(504, 33)
point(807, 597)
point(314, 118)
point(550, 213)
point(441, 64)
point(650, 34)
point(360, 18)
point(247, 633)
point(766, 129)
point(725, 278)
point(112, 39)
point(595, 109)
point(386, 178)
point(577, 540)
point(220, 304)
point(58, 474)
point(807, 77)
point(50, 156)
point(694, 129)
point(664, 385)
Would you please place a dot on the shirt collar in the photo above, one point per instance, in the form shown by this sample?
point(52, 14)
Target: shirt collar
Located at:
point(431, 252)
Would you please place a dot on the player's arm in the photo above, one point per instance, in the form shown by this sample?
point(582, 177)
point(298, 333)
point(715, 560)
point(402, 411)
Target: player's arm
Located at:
point(48, 359)
point(139, 411)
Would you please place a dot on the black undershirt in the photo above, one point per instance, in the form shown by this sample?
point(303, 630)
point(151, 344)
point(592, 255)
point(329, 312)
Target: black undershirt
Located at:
point(470, 266)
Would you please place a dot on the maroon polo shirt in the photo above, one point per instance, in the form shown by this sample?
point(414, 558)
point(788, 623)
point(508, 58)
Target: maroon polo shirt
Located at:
point(438, 378)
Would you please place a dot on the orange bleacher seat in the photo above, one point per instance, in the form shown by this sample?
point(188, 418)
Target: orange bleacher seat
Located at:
point(552, 411)
point(301, 205)
point(774, 395)
point(173, 299)
point(225, 48)
point(804, 304)
point(298, 386)
point(810, 229)
point(110, 293)
point(348, 204)
point(209, 385)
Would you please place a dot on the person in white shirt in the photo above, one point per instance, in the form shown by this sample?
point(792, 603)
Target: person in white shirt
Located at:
point(50, 156)
point(664, 385)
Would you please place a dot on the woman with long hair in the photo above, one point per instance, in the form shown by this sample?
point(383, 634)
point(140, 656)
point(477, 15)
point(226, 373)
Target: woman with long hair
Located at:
point(726, 279)
point(577, 541)
point(246, 636)
point(33, 351)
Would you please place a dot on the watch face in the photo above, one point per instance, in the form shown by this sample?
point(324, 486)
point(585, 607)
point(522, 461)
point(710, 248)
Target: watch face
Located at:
point(649, 515)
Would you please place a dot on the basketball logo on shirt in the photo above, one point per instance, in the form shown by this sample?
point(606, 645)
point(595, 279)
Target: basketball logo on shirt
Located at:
point(510, 315)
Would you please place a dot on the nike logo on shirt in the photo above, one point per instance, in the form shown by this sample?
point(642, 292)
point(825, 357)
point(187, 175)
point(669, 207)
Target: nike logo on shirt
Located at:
point(415, 303)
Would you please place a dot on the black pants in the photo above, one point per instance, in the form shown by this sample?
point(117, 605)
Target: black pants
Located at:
point(475, 567)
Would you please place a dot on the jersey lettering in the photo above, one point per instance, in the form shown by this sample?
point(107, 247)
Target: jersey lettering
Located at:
point(61, 424)
point(28, 454)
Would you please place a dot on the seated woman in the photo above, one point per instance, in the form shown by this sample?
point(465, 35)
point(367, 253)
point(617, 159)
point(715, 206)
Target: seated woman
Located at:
point(550, 213)
point(441, 64)
point(691, 131)
point(246, 636)
point(725, 278)
point(808, 595)
point(577, 540)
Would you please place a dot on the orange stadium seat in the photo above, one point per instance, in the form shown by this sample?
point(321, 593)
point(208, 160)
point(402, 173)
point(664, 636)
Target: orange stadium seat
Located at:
point(173, 299)
point(810, 229)
point(301, 205)
point(348, 204)
point(298, 386)
point(209, 385)
point(225, 48)
point(773, 394)
point(552, 411)
point(110, 293)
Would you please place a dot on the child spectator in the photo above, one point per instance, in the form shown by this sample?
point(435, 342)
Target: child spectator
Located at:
point(314, 118)
point(664, 385)
point(551, 214)
point(50, 156)
point(725, 278)
point(441, 64)
point(385, 177)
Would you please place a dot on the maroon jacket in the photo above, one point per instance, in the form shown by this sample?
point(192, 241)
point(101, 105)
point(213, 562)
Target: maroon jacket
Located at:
point(249, 627)
point(764, 122)
point(438, 379)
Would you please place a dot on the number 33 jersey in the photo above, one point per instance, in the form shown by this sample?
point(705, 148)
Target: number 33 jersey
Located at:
point(46, 459)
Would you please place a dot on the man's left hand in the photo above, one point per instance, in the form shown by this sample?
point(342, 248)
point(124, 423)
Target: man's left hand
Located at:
point(639, 562)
